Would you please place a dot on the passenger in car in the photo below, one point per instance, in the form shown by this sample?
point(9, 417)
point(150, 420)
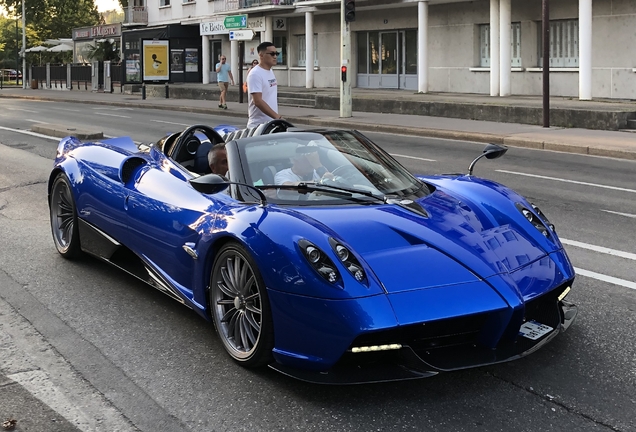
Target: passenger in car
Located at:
point(217, 158)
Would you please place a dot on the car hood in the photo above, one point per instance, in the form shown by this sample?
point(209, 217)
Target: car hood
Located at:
point(469, 238)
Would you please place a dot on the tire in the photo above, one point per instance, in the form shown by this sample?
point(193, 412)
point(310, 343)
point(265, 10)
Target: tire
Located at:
point(64, 218)
point(240, 307)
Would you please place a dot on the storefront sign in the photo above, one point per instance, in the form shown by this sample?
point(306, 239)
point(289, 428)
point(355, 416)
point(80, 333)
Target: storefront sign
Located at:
point(218, 27)
point(110, 30)
point(155, 53)
point(212, 28)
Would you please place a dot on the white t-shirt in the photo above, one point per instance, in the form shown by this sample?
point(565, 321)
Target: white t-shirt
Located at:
point(261, 81)
point(287, 175)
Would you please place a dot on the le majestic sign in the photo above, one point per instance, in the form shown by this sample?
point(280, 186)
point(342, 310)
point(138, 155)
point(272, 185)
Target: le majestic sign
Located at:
point(101, 31)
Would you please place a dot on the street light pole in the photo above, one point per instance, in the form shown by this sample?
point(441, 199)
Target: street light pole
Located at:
point(345, 58)
point(23, 45)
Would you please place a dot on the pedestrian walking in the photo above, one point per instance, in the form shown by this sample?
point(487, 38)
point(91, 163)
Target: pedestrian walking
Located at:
point(262, 87)
point(224, 77)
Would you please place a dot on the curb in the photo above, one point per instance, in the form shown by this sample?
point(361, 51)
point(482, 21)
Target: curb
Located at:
point(508, 140)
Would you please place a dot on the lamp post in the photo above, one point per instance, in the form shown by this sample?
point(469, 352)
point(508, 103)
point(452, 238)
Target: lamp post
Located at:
point(24, 86)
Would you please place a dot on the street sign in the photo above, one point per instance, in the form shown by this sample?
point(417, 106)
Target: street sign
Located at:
point(235, 22)
point(241, 35)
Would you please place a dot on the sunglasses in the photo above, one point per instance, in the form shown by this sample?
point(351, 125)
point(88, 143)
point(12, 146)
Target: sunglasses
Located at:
point(272, 53)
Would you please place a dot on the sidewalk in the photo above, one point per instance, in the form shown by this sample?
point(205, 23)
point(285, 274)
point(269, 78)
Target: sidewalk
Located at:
point(583, 141)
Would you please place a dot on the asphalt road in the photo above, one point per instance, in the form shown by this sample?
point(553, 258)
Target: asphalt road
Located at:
point(145, 362)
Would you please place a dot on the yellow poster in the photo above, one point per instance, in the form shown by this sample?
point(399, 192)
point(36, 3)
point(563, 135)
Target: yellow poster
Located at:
point(156, 63)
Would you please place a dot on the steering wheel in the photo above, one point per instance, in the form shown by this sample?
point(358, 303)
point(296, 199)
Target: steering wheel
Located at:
point(185, 136)
point(343, 174)
point(273, 126)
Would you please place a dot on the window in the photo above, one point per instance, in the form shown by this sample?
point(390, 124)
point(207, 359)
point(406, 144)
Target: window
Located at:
point(564, 44)
point(164, 3)
point(281, 46)
point(515, 45)
point(362, 53)
point(302, 55)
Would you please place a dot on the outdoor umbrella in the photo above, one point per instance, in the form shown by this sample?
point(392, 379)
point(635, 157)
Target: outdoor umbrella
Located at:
point(37, 49)
point(60, 48)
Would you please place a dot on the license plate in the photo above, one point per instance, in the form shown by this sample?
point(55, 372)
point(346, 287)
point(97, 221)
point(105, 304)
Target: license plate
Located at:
point(534, 330)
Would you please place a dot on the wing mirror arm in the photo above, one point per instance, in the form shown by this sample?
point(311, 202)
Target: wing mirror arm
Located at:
point(214, 183)
point(492, 151)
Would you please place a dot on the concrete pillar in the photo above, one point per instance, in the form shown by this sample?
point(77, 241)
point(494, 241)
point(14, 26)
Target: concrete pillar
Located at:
point(269, 29)
point(234, 55)
point(422, 46)
point(505, 23)
point(309, 50)
point(585, 49)
point(205, 58)
point(494, 47)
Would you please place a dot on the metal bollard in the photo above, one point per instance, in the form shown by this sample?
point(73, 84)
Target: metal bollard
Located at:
point(167, 91)
point(143, 91)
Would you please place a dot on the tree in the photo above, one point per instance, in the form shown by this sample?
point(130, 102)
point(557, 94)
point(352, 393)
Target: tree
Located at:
point(123, 4)
point(104, 50)
point(54, 19)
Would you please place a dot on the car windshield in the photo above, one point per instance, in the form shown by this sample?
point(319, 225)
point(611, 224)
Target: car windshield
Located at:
point(339, 166)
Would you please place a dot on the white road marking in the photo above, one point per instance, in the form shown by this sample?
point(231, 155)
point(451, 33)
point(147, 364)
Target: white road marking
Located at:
point(112, 115)
point(601, 249)
point(36, 121)
point(67, 109)
point(605, 278)
point(413, 157)
point(167, 122)
point(568, 181)
point(35, 134)
point(22, 109)
point(621, 214)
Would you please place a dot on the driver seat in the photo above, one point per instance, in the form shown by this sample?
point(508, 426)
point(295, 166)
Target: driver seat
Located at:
point(201, 165)
point(268, 175)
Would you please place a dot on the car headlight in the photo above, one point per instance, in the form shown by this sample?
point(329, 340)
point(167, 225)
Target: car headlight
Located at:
point(348, 260)
point(537, 219)
point(319, 261)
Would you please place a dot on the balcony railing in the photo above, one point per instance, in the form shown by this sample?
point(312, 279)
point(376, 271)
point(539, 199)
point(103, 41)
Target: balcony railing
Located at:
point(136, 15)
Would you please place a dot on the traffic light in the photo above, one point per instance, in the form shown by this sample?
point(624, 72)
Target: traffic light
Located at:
point(350, 10)
point(343, 69)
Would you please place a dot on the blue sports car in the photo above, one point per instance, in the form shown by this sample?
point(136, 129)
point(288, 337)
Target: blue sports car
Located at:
point(316, 253)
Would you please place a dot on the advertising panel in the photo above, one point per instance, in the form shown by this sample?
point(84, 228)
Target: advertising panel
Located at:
point(192, 60)
point(155, 60)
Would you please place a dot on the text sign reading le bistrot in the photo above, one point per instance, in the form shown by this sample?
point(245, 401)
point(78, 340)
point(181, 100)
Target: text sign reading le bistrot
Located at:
point(241, 35)
point(235, 22)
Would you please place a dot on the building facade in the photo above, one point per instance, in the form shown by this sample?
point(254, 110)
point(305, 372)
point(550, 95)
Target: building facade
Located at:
point(427, 46)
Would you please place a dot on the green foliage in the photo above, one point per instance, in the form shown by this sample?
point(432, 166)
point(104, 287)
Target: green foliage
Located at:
point(123, 4)
point(54, 18)
point(113, 16)
point(104, 50)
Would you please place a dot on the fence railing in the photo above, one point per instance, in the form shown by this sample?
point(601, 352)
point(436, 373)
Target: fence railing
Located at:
point(136, 15)
point(76, 76)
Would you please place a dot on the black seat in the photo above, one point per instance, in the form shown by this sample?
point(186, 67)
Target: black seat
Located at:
point(201, 164)
point(268, 175)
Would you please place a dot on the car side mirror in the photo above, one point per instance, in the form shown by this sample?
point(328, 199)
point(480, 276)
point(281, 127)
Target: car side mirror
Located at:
point(492, 151)
point(209, 184)
point(214, 183)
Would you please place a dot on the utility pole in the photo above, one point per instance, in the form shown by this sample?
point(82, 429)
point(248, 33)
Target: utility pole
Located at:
point(545, 27)
point(347, 14)
point(24, 86)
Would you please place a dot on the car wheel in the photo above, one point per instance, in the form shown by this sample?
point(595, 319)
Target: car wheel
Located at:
point(64, 218)
point(240, 307)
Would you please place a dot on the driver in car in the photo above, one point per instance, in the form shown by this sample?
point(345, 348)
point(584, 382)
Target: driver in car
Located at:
point(306, 167)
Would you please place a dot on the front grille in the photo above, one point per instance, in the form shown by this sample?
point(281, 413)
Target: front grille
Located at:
point(429, 335)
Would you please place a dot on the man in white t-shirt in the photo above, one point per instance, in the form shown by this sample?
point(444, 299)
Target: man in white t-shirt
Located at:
point(263, 88)
point(306, 167)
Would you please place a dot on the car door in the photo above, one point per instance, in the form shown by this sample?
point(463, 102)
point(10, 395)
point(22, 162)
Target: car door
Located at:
point(164, 214)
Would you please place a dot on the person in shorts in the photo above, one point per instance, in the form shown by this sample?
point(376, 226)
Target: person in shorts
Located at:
point(224, 77)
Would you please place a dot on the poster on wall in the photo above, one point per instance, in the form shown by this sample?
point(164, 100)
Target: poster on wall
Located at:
point(176, 61)
point(133, 68)
point(155, 64)
point(192, 60)
point(250, 51)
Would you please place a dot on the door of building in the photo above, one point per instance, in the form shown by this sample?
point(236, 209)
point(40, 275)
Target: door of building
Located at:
point(215, 57)
point(387, 59)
